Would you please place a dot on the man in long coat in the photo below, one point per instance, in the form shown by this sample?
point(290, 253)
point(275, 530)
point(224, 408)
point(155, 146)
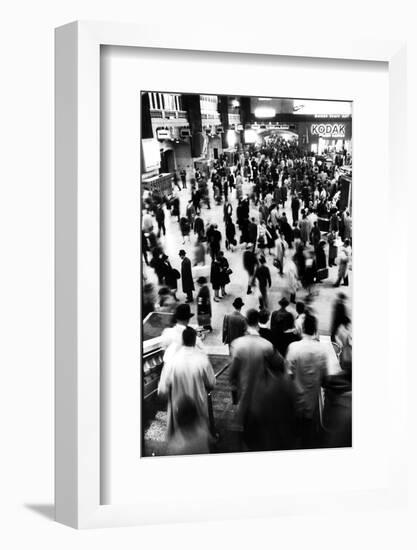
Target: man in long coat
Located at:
point(186, 276)
point(188, 373)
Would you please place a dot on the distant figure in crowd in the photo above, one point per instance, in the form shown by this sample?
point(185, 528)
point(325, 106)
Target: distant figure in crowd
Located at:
point(160, 219)
point(291, 274)
point(188, 373)
point(234, 324)
point(263, 275)
point(158, 265)
point(331, 239)
point(185, 229)
point(249, 263)
point(204, 304)
point(344, 261)
point(280, 255)
point(199, 227)
point(176, 208)
point(171, 276)
point(175, 178)
point(315, 236)
point(147, 222)
point(307, 361)
point(224, 272)
point(199, 253)
point(186, 276)
point(216, 277)
point(230, 235)
point(304, 227)
point(295, 207)
point(183, 176)
point(190, 213)
point(214, 238)
point(321, 262)
point(339, 315)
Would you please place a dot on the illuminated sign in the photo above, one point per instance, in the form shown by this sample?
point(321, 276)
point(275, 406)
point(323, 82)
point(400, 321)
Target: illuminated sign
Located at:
point(163, 134)
point(328, 130)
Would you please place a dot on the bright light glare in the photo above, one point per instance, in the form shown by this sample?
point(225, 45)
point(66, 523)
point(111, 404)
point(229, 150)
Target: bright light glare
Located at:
point(264, 112)
point(250, 136)
point(231, 138)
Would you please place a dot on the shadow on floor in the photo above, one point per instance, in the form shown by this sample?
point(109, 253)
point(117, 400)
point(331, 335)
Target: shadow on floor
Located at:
point(45, 510)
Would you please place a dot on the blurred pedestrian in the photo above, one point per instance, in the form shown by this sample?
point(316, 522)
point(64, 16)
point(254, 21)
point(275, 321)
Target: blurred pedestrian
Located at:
point(307, 361)
point(250, 263)
point(204, 304)
point(188, 373)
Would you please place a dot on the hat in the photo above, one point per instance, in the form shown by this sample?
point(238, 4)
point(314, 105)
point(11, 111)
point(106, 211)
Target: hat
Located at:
point(284, 302)
point(183, 312)
point(182, 252)
point(202, 280)
point(238, 303)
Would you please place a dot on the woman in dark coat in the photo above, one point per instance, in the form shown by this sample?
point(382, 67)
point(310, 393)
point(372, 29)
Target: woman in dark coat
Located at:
point(176, 207)
point(224, 272)
point(199, 226)
point(321, 262)
point(250, 262)
point(230, 234)
point(158, 265)
point(204, 304)
point(171, 276)
point(216, 277)
point(185, 228)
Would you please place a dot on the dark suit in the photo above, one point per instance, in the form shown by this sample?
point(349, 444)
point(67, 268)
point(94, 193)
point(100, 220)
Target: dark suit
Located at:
point(187, 278)
point(266, 333)
point(234, 326)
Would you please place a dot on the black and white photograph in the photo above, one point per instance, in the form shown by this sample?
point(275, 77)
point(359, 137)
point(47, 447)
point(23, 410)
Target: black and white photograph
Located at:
point(246, 273)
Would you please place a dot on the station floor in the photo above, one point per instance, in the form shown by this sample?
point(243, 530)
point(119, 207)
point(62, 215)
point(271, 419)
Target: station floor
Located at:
point(172, 242)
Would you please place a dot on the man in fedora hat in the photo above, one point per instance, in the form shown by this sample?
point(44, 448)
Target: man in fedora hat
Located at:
point(186, 276)
point(234, 324)
point(281, 321)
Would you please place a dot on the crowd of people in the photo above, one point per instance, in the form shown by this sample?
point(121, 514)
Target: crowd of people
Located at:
point(278, 370)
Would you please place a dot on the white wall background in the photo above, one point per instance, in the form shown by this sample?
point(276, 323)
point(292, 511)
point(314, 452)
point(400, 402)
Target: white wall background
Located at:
point(26, 273)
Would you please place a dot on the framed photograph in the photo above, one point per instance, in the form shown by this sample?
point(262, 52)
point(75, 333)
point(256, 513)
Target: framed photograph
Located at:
point(226, 316)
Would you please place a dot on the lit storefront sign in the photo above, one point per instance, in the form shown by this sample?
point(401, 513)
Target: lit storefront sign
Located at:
point(334, 131)
point(163, 134)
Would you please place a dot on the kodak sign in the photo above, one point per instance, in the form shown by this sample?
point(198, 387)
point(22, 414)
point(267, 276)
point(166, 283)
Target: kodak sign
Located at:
point(328, 130)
